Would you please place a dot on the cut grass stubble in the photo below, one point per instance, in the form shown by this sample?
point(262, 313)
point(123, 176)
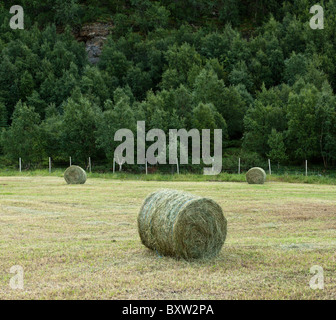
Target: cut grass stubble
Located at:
point(82, 242)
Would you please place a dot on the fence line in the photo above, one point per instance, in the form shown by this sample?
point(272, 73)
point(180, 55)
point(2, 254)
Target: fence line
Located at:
point(102, 166)
point(90, 167)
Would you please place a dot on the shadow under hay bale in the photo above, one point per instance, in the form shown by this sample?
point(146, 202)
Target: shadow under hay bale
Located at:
point(182, 225)
point(256, 176)
point(75, 175)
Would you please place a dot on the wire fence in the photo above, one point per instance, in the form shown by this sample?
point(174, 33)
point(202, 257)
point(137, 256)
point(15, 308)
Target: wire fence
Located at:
point(97, 166)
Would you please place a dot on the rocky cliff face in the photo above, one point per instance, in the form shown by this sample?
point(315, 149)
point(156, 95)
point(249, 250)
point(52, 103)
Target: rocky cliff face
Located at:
point(94, 35)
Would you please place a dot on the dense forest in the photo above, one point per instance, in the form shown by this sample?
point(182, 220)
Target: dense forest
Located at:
point(253, 68)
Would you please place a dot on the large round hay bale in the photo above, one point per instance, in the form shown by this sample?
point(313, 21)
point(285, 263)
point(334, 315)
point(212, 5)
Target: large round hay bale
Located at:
point(75, 175)
point(182, 225)
point(256, 176)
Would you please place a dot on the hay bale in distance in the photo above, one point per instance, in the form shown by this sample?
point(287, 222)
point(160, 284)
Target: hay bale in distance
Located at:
point(182, 225)
point(256, 176)
point(75, 175)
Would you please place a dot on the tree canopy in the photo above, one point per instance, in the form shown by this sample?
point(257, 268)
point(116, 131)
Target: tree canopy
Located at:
point(253, 68)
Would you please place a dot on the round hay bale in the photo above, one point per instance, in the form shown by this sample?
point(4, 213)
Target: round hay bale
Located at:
point(256, 176)
point(75, 175)
point(182, 225)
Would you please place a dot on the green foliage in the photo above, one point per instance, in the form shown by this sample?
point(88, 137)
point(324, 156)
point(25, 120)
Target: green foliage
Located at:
point(3, 115)
point(204, 117)
point(267, 113)
point(277, 147)
point(302, 123)
point(252, 68)
point(66, 12)
point(241, 75)
point(79, 128)
point(23, 139)
point(118, 115)
point(182, 63)
point(311, 123)
point(295, 67)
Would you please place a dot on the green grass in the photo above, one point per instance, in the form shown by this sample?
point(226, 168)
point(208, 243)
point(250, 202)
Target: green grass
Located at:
point(81, 242)
point(223, 177)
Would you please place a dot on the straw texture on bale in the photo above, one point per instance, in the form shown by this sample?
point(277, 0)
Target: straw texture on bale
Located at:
point(75, 175)
point(182, 225)
point(256, 176)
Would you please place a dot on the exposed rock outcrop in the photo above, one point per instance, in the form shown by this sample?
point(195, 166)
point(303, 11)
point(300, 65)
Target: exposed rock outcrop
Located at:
point(94, 35)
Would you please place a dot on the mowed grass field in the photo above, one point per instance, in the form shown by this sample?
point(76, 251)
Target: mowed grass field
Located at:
point(81, 242)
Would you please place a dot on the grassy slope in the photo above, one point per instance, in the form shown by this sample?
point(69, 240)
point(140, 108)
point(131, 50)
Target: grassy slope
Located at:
point(82, 241)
